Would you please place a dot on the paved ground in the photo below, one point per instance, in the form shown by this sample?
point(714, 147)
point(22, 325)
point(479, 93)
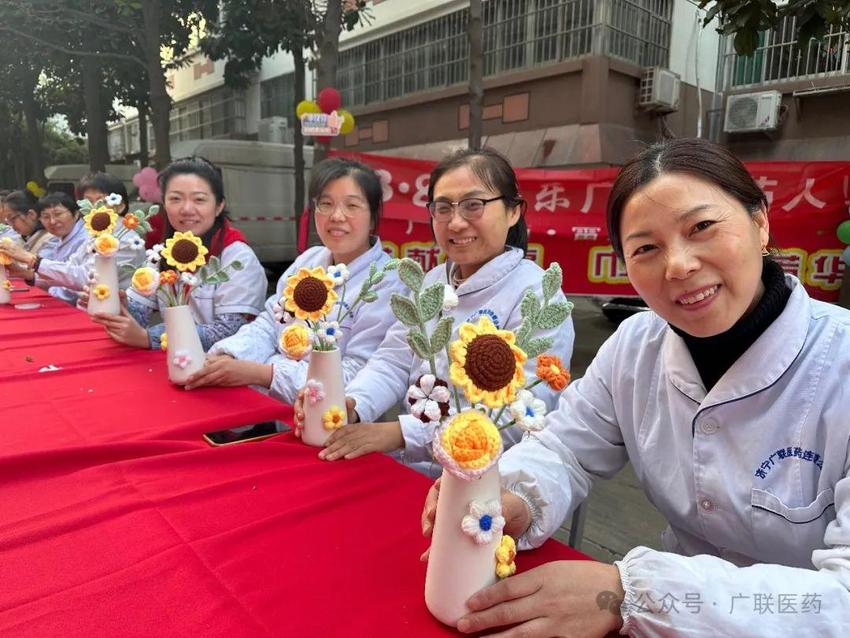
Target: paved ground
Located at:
point(618, 515)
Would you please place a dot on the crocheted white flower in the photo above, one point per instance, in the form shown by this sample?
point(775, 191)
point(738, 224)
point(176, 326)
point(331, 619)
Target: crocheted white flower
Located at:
point(137, 243)
point(189, 278)
point(528, 411)
point(92, 248)
point(314, 391)
point(113, 199)
point(329, 332)
point(338, 273)
point(450, 299)
point(484, 521)
point(92, 276)
point(153, 255)
point(429, 398)
point(181, 359)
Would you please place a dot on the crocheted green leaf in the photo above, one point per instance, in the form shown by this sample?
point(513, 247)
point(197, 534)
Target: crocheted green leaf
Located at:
point(370, 296)
point(442, 334)
point(404, 310)
point(431, 301)
point(411, 273)
point(538, 346)
point(554, 315)
point(552, 280)
point(418, 343)
point(530, 305)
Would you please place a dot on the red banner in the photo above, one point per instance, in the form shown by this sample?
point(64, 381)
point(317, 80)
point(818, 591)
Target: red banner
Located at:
point(566, 220)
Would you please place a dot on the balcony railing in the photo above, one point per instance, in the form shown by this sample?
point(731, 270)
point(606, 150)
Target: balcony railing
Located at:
point(517, 34)
point(779, 58)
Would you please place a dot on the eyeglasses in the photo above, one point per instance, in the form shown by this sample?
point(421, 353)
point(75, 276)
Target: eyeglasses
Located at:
point(469, 209)
point(47, 217)
point(350, 208)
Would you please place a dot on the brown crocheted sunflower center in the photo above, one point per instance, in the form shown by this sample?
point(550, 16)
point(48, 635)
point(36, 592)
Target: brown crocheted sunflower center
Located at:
point(100, 221)
point(184, 251)
point(490, 363)
point(310, 294)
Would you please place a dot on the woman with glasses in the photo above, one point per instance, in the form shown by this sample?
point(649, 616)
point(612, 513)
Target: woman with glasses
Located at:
point(478, 221)
point(22, 216)
point(345, 201)
point(64, 264)
point(193, 198)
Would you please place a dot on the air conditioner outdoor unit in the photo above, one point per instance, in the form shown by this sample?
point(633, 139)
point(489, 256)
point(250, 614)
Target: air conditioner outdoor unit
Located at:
point(659, 90)
point(752, 112)
point(272, 129)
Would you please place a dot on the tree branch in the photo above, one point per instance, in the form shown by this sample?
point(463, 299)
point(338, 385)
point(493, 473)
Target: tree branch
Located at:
point(55, 47)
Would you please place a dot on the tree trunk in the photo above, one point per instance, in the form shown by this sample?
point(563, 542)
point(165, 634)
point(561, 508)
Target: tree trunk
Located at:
point(476, 73)
point(326, 77)
point(95, 118)
point(144, 154)
point(159, 99)
point(298, 149)
point(34, 140)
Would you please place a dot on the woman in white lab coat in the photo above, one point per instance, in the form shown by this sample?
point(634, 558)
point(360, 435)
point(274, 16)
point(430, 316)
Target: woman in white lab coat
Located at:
point(346, 201)
point(730, 401)
point(193, 198)
point(478, 221)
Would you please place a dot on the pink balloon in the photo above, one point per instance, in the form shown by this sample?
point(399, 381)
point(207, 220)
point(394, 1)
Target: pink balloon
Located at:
point(145, 181)
point(150, 194)
point(329, 100)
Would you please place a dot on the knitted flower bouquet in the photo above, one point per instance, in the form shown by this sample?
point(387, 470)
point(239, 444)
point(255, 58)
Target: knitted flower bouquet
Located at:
point(172, 288)
point(110, 233)
point(313, 312)
point(486, 368)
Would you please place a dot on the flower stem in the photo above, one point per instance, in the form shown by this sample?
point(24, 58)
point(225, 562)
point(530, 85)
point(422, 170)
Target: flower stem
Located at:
point(506, 426)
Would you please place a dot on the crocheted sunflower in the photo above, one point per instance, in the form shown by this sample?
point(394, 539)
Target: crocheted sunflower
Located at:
point(309, 294)
point(185, 251)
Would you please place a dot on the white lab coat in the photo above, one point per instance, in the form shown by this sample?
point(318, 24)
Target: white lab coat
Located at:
point(63, 274)
point(243, 293)
point(495, 290)
point(362, 330)
point(752, 476)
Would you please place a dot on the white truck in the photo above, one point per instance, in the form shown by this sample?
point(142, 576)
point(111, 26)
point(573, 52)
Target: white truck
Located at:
point(259, 186)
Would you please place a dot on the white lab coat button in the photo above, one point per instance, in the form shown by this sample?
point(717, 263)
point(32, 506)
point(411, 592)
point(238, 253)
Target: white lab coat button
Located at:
point(707, 504)
point(709, 426)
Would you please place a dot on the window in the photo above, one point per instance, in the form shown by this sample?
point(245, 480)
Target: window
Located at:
point(277, 97)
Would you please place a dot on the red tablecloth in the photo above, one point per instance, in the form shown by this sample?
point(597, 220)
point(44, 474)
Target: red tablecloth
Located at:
point(116, 519)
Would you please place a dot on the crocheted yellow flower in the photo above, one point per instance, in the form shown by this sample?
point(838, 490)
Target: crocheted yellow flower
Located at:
point(106, 245)
point(333, 419)
point(101, 221)
point(145, 281)
point(7, 284)
point(309, 294)
point(163, 341)
point(505, 555)
point(487, 364)
point(101, 291)
point(184, 251)
point(296, 341)
point(469, 444)
point(5, 260)
point(552, 371)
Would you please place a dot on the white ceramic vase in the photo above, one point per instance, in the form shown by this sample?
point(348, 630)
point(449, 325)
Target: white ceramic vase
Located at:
point(326, 368)
point(458, 567)
point(107, 274)
point(5, 295)
point(185, 353)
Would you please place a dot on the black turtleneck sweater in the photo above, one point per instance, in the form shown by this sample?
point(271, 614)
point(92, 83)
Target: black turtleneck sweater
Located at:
point(714, 355)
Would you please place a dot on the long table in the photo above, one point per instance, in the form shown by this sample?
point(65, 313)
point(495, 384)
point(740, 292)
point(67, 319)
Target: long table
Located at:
point(117, 519)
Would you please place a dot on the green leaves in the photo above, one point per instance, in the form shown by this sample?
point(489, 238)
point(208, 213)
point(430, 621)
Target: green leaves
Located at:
point(411, 273)
point(419, 344)
point(431, 301)
point(552, 280)
point(542, 316)
point(554, 315)
point(538, 346)
point(442, 334)
point(529, 308)
point(404, 310)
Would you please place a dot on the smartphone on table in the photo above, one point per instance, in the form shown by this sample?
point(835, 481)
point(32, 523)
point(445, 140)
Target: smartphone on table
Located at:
point(245, 433)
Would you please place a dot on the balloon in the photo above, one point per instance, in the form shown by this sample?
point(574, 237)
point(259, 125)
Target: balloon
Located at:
point(347, 122)
point(324, 139)
point(846, 255)
point(35, 189)
point(146, 181)
point(306, 106)
point(844, 231)
point(329, 100)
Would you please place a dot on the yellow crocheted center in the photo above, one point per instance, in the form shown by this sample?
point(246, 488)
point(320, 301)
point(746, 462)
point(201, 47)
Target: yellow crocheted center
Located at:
point(471, 439)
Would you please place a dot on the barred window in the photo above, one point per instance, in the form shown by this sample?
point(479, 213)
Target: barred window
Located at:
point(277, 97)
